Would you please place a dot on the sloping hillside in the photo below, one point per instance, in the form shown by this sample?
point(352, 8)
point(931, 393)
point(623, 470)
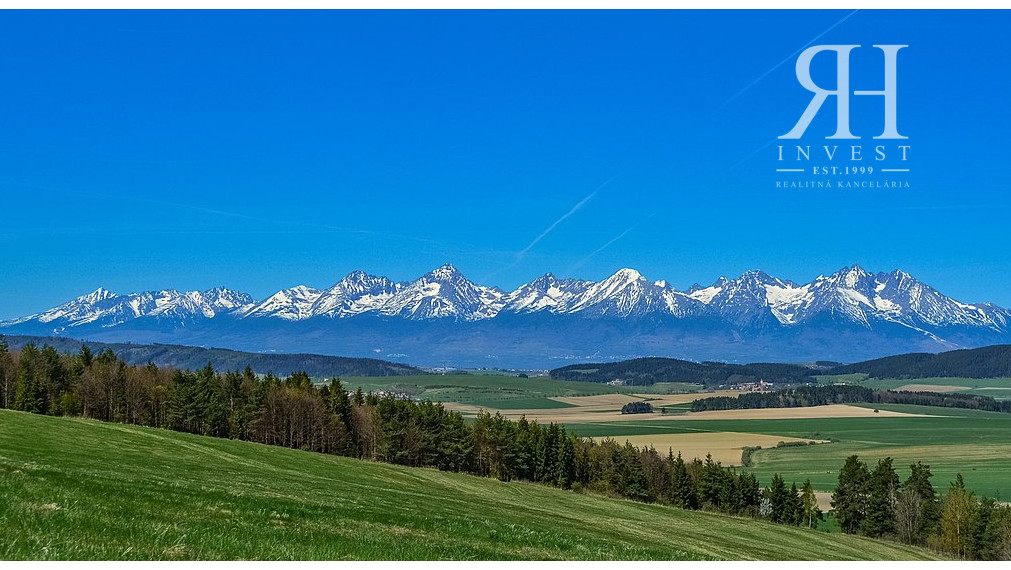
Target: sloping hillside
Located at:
point(79, 489)
point(986, 362)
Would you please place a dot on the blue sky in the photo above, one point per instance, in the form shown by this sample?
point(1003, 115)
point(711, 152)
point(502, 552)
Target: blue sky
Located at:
point(261, 150)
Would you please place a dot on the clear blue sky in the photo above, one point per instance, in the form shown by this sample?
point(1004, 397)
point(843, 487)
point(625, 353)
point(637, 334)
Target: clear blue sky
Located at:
point(261, 150)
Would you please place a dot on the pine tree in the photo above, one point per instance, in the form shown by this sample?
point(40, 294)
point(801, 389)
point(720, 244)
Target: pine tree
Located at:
point(778, 501)
point(793, 512)
point(710, 484)
point(30, 382)
point(883, 486)
point(849, 500)
point(682, 489)
point(6, 375)
point(916, 508)
point(566, 462)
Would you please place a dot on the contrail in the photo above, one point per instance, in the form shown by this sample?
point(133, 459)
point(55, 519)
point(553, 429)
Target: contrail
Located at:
point(747, 158)
point(606, 245)
point(788, 58)
point(550, 228)
point(573, 210)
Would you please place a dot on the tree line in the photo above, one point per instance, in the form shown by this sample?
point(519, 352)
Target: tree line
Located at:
point(193, 357)
point(873, 502)
point(294, 412)
point(804, 396)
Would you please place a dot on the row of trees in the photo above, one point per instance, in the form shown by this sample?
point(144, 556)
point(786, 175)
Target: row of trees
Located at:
point(874, 503)
point(804, 396)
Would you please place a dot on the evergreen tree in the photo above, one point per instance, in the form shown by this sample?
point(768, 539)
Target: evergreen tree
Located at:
point(779, 502)
point(30, 382)
point(682, 490)
point(566, 462)
point(793, 511)
point(6, 375)
point(916, 508)
point(86, 357)
point(849, 500)
point(883, 485)
point(749, 495)
point(710, 484)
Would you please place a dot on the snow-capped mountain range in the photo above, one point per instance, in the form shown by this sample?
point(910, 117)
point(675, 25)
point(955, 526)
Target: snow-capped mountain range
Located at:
point(750, 312)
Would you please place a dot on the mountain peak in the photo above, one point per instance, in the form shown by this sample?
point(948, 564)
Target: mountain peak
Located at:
point(444, 272)
point(627, 274)
point(97, 295)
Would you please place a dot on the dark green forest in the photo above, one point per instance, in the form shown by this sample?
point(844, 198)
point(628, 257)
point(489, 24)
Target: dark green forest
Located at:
point(293, 412)
point(646, 371)
point(986, 362)
point(194, 358)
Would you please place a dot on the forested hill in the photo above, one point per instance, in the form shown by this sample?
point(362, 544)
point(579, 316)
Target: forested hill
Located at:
point(195, 358)
point(645, 371)
point(987, 362)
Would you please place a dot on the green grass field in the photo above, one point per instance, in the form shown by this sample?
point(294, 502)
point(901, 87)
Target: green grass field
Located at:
point(489, 390)
point(973, 443)
point(999, 388)
point(80, 489)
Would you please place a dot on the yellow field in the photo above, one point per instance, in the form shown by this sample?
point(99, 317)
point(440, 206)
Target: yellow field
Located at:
point(607, 408)
point(725, 447)
point(829, 411)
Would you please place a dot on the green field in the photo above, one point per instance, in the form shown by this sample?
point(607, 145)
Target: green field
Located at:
point(999, 388)
point(976, 444)
point(80, 489)
point(488, 390)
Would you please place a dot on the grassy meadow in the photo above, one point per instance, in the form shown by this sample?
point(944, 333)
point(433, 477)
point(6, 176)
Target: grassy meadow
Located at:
point(81, 489)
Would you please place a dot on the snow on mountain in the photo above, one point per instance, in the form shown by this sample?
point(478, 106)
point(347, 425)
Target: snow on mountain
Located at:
point(755, 300)
point(288, 304)
point(546, 293)
point(356, 293)
point(107, 309)
point(444, 293)
point(627, 293)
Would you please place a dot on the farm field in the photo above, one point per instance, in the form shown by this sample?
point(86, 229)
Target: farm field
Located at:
point(80, 489)
point(999, 388)
point(485, 390)
point(950, 441)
